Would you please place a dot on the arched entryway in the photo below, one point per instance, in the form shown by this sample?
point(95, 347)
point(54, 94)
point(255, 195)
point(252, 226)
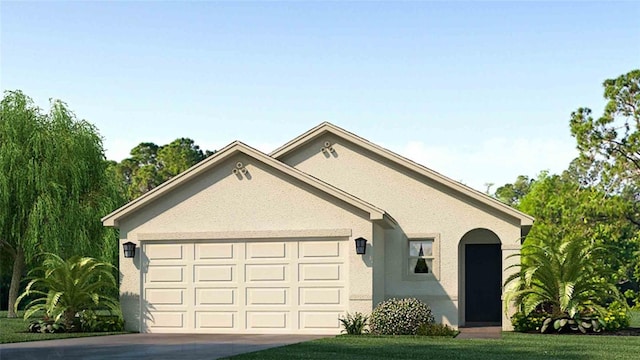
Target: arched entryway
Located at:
point(480, 285)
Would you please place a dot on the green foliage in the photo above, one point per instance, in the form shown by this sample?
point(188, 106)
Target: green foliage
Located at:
point(54, 186)
point(573, 323)
point(150, 165)
point(528, 322)
point(93, 321)
point(399, 317)
point(64, 289)
point(616, 317)
point(610, 144)
point(512, 194)
point(47, 325)
point(354, 324)
point(566, 210)
point(437, 330)
point(560, 275)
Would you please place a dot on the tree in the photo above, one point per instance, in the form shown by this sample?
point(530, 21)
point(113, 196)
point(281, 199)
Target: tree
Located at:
point(563, 207)
point(610, 144)
point(150, 165)
point(511, 194)
point(54, 186)
point(178, 156)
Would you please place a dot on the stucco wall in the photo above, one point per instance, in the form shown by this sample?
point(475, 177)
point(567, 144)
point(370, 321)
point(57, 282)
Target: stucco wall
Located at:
point(264, 200)
point(419, 205)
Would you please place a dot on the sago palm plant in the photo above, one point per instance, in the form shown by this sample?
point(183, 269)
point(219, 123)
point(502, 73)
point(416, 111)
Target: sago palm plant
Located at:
point(64, 288)
point(562, 276)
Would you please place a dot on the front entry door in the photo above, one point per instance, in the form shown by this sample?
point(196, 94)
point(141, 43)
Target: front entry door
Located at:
point(483, 277)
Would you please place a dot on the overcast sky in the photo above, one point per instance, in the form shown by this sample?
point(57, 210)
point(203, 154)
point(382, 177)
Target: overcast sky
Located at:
point(480, 92)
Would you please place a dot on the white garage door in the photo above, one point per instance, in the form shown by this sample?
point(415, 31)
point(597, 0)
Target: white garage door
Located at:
point(252, 287)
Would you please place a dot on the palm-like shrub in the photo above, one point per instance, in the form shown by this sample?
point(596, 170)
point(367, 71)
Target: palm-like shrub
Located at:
point(63, 289)
point(354, 324)
point(562, 279)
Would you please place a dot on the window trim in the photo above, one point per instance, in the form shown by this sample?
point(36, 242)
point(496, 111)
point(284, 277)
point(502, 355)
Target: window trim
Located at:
point(434, 274)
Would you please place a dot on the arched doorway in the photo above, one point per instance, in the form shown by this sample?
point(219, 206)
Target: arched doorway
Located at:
point(480, 285)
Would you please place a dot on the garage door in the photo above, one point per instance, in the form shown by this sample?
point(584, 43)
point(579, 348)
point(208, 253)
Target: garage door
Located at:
point(253, 287)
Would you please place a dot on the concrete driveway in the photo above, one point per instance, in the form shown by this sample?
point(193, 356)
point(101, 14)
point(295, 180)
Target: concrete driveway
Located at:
point(148, 346)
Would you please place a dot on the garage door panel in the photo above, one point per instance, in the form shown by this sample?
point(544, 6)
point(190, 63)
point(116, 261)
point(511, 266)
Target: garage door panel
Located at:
point(266, 250)
point(315, 249)
point(324, 320)
point(267, 320)
point(213, 273)
point(321, 272)
point(164, 252)
point(320, 296)
point(206, 251)
point(267, 296)
point(216, 319)
point(165, 274)
point(165, 296)
point(255, 286)
point(215, 296)
point(166, 319)
point(266, 272)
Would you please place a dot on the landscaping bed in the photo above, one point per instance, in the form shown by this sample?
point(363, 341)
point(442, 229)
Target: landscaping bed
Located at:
point(15, 330)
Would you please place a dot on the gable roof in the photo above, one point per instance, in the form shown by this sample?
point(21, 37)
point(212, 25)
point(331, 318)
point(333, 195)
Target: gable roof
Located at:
point(326, 127)
point(375, 213)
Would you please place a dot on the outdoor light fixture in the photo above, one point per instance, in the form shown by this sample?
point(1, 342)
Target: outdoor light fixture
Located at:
point(129, 249)
point(361, 245)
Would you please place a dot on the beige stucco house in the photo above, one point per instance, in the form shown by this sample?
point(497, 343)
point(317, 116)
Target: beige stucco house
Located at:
point(246, 242)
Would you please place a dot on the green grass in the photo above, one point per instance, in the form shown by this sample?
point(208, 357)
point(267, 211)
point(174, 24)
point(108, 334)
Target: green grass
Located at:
point(635, 319)
point(15, 330)
point(511, 346)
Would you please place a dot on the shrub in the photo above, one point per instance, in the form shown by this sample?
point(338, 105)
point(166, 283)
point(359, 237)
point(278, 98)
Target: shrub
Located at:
point(399, 317)
point(616, 317)
point(91, 321)
point(354, 324)
point(63, 289)
point(581, 323)
point(437, 330)
point(526, 323)
point(47, 325)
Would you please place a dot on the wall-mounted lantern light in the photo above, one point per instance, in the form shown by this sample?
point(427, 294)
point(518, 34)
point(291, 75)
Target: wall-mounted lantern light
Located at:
point(129, 249)
point(361, 245)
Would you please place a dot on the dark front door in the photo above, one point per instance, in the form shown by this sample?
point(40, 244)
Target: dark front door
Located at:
point(483, 277)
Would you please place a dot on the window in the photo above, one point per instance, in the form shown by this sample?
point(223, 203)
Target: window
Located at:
point(420, 256)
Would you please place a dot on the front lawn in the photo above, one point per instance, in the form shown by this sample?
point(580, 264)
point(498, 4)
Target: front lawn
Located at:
point(635, 318)
point(511, 346)
point(15, 330)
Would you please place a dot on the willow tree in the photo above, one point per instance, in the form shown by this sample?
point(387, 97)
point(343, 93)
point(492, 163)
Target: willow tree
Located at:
point(54, 186)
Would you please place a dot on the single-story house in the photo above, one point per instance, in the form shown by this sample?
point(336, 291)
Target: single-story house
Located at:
point(246, 242)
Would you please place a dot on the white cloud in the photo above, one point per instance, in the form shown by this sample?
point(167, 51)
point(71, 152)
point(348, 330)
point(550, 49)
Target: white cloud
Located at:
point(495, 160)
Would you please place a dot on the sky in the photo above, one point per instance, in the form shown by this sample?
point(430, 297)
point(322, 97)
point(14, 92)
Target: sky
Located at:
point(479, 91)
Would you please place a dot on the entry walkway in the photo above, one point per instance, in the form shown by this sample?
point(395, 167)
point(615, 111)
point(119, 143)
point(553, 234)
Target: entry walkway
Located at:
point(480, 332)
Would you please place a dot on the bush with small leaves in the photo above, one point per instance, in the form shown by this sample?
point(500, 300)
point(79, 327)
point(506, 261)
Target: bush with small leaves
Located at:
point(399, 317)
point(616, 317)
point(528, 323)
point(354, 324)
point(437, 330)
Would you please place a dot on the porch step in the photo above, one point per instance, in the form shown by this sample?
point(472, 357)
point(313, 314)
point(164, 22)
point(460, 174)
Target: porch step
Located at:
point(480, 332)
